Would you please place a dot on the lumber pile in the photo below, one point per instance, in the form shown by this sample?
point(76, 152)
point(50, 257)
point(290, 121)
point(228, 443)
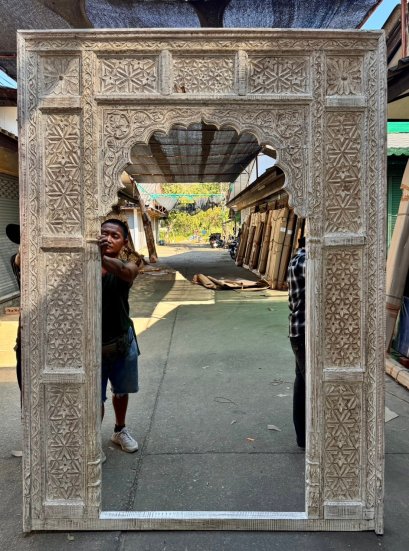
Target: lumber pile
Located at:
point(396, 371)
point(268, 241)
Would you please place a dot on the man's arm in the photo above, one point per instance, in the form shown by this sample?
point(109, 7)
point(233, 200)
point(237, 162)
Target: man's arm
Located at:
point(126, 271)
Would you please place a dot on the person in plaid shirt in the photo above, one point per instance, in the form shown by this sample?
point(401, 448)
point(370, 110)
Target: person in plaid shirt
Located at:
point(296, 300)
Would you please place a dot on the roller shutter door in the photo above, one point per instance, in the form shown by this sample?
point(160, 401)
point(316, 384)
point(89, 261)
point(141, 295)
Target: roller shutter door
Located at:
point(9, 214)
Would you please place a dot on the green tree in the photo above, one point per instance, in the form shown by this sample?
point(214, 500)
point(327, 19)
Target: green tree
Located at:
point(182, 225)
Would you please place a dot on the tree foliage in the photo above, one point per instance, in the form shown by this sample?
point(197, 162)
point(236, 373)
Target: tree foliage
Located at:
point(195, 189)
point(181, 225)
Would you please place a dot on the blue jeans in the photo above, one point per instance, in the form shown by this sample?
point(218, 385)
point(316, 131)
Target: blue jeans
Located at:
point(121, 372)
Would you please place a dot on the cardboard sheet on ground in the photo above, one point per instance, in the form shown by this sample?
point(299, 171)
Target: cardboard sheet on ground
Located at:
point(233, 284)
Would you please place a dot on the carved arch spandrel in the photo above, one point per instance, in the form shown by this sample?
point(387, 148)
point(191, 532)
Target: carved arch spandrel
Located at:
point(283, 129)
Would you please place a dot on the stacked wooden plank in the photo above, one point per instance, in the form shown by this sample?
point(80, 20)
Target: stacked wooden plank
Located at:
point(267, 243)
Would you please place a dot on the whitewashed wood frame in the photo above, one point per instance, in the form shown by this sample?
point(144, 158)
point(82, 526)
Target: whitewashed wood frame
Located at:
point(317, 97)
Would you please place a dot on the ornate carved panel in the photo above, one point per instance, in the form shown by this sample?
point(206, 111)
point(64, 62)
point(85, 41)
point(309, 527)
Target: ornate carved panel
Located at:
point(343, 296)
point(343, 199)
point(260, 40)
point(326, 124)
point(62, 146)
point(125, 75)
point(376, 90)
point(65, 442)
point(284, 129)
point(343, 425)
point(89, 128)
point(61, 76)
point(209, 73)
point(278, 75)
point(344, 76)
point(65, 310)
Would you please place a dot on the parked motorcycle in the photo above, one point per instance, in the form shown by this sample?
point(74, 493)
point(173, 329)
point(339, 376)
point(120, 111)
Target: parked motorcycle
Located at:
point(216, 241)
point(233, 245)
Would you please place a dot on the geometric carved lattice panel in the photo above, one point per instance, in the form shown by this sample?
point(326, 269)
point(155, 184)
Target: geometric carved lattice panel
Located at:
point(65, 441)
point(344, 76)
point(65, 310)
point(128, 76)
point(61, 76)
point(278, 75)
point(344, 172)
point(214, 74)
point(62, 182)
point(342, 315)
point(342, 441)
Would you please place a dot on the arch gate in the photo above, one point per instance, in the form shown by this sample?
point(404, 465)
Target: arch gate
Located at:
point(319, 98)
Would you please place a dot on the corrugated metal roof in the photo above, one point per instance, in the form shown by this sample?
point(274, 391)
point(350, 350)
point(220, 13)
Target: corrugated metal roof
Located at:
point(398, 140)
point(8, 134)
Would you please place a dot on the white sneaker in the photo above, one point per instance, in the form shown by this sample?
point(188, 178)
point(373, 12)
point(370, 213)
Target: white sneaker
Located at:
point(16, 453)
point(125, 440)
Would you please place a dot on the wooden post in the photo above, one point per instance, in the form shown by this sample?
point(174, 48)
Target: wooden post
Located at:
point(278, 247)
point(274, 223)
point(286, 252)
point(255, 251)
point(243, 242)
point(265, 244)
point(404, 28)
point(147, 226)
point(249, 245)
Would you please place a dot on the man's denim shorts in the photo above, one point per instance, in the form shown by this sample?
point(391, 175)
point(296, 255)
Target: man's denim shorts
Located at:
point(122, 372)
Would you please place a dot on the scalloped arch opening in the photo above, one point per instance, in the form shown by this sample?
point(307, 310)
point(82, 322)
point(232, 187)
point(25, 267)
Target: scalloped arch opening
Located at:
point(195, 153)
point(190, 145)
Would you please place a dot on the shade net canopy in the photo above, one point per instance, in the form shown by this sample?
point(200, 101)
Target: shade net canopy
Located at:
point(199, 153)
point(80, 14)
point(315, 14)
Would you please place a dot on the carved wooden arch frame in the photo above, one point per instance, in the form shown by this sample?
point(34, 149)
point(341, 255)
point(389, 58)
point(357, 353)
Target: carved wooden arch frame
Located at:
point(283, 130)
point(318, 97)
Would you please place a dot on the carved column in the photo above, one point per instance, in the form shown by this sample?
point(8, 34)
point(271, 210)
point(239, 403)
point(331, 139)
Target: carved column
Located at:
point(92, 321)
point(54, 297)
point(353, 271)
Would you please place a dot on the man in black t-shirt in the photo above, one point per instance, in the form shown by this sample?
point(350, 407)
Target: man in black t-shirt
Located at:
point(119, 346)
